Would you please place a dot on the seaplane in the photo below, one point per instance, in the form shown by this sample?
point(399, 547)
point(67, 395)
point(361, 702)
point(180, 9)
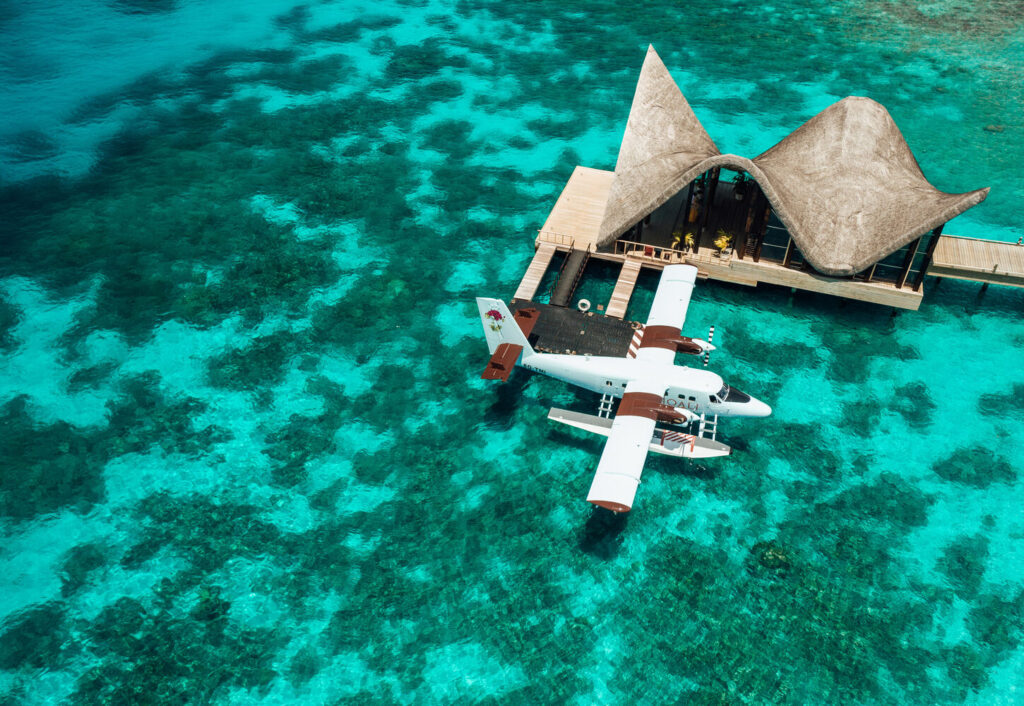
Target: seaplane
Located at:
point(650, 387)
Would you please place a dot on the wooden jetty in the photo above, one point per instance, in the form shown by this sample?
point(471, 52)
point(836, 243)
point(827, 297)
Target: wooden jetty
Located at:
point(988, 261)
point(838, 207)
point(535, 272)
point(624, 288)
point(575, 221)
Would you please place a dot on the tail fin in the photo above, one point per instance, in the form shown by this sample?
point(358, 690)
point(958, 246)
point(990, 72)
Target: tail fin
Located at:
point(500, 326)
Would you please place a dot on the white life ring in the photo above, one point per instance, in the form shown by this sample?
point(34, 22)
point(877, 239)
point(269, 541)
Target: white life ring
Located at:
point(583, 305)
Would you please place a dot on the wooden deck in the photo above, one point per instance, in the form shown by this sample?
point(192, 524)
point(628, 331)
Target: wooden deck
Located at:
point(623, 288)
point(750, 273)
point(576, 218)
point(535, 272)
point(978, 260)
point(575, 222)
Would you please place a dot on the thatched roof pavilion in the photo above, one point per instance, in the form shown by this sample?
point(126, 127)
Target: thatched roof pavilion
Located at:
point(845, 183)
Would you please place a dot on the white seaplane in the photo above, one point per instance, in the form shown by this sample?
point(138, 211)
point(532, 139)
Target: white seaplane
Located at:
point(651, 386)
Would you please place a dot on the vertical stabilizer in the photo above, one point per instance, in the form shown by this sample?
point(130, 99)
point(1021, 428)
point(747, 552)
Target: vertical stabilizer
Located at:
point(500, 326)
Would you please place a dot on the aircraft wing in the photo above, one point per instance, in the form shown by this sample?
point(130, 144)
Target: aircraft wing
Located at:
point(622, 461)
point(668, 313)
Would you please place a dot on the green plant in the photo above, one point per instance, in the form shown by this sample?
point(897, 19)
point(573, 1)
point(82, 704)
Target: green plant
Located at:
point(723, 240)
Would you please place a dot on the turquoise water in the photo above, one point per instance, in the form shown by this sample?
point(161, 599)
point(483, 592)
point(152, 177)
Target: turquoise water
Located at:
point(246, 456)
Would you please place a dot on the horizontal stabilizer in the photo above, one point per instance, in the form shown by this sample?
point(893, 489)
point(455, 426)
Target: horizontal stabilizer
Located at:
point(501, 364)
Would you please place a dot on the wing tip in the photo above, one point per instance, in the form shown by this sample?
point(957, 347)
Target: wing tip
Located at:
point(610, 505)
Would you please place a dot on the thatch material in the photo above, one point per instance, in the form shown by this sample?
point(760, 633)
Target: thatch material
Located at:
point(845, 183)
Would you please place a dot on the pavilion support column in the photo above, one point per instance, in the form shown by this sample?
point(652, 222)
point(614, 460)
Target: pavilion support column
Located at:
point(750, 200)
point(789, 252)
point(709, 202)
point(703, 210)
point(907, 262)
point(936, 234)
point(684, 208)
point(760, 224)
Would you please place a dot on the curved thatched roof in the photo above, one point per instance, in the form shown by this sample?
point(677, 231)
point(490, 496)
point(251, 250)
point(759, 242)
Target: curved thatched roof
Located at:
point(845, 183)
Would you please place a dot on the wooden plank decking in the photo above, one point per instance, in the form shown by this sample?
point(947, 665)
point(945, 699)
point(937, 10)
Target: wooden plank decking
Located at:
point(750, 273)
point(577, 215)
point(535, 272)
point(978, 260)
point(623, 288)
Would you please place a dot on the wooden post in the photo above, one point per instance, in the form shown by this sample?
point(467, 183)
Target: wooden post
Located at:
point(760, 223)
point(747, 216)
point(683, 207)
point(789, 252)
point(703, 209)
point(907, 262)
point(936, 234)
point(689, 202)
point(871, 273)
point(709, 201)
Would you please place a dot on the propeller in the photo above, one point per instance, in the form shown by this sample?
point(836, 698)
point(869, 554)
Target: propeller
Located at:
point(707, 351)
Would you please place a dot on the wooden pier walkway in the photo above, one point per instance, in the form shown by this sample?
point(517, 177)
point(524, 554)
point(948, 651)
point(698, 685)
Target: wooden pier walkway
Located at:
point(575, 221)
point(623, 288)
point(989, 261)
point(535, 272)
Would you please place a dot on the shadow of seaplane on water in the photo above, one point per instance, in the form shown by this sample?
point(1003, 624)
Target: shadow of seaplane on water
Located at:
point(650, 388)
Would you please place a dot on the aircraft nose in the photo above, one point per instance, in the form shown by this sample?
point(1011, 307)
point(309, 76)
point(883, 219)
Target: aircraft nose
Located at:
point(757, 408)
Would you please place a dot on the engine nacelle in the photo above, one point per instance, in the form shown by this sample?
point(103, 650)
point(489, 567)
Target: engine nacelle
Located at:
point(675, 415)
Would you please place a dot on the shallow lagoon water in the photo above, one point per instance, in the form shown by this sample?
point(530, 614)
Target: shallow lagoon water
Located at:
point(247, 458)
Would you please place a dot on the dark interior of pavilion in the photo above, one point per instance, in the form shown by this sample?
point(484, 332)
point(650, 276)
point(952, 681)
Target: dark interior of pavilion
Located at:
point(740, 212)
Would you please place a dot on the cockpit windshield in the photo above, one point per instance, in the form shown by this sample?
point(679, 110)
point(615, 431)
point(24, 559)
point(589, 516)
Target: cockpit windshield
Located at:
point(731, 394)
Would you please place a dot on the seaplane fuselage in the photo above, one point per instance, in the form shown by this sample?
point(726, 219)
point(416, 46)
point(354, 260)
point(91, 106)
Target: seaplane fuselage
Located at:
point(699, 391)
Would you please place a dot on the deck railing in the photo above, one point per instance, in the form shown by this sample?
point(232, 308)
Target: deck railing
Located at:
point(670, 255)
point(548, 236)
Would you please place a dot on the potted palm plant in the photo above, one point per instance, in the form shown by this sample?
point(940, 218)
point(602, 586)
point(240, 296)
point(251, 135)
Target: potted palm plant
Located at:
point(682, 239)
point(723, 241)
